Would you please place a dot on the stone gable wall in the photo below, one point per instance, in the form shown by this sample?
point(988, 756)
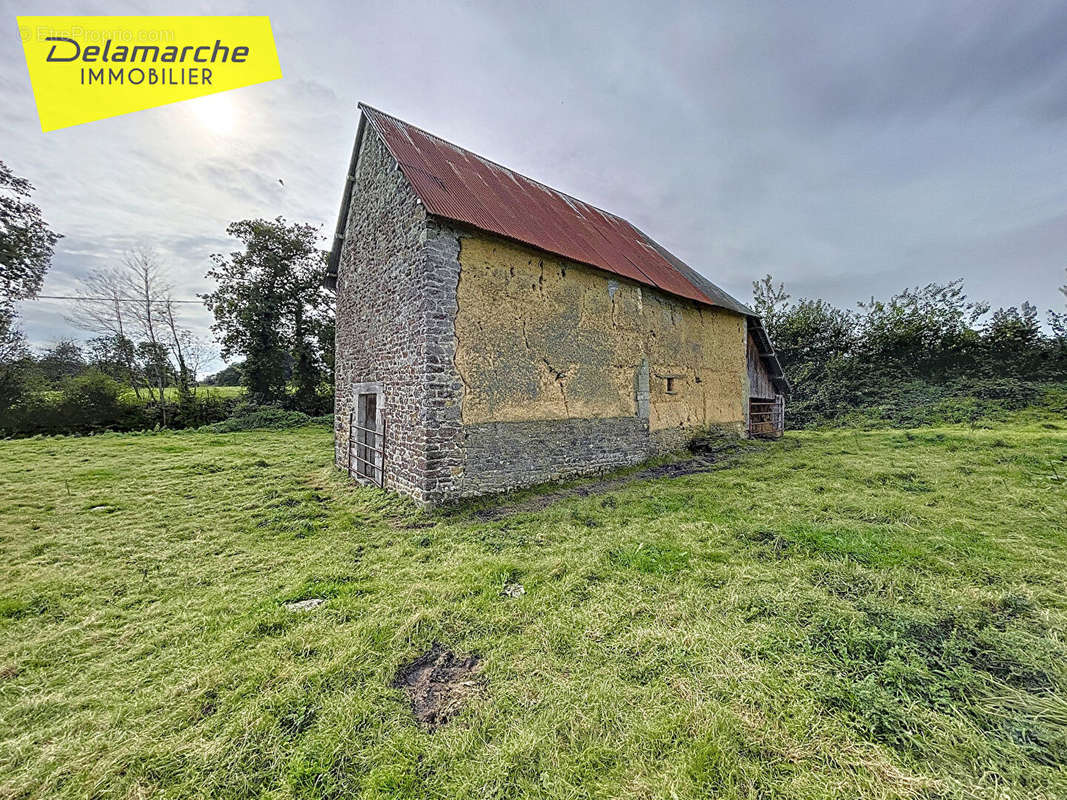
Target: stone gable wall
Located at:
point(381, 325)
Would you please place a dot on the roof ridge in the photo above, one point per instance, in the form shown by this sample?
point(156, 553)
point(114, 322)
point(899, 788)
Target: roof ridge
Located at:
point(494, 198)
point(366, 107)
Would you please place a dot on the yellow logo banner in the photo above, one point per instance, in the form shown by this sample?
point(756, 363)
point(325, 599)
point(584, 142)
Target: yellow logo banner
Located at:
point(88, 68)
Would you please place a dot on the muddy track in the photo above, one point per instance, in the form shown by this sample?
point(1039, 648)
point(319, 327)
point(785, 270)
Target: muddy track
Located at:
point(707, 456)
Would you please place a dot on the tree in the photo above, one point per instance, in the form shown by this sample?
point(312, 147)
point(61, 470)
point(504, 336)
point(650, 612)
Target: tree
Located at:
point(26, 241)
point(1012, 341)
point(228, 376)
point(770, 302)
point(808, 334)
point(14, 357)
point(179, 346)
point(131, 307)
point(103, 310)
point(91, 400)
point(113, 356)
point(62, 361)
point(26, 247)
point(12, 342)
point(814, 332)
point(153, 359)
point(312, 345)
point(269, 307)
point(147, 288)
point(922, 332)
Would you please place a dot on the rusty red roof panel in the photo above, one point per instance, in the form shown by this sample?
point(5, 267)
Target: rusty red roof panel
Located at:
point(464, 187)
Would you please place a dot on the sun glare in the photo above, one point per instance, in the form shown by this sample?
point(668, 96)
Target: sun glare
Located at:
point(216, 113)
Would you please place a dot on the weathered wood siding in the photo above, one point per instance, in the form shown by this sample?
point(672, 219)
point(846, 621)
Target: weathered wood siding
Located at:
point(759, 380)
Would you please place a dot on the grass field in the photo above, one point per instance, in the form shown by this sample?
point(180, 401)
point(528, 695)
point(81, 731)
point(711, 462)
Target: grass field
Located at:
point(171, 392)
point(839, 614)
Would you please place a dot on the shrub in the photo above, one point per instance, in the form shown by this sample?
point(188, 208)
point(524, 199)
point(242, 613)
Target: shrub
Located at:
point(248, 417)
point(202, 409)
point(94, 401)
point(914, 403)
point(313, 404)
point(90, 401)
point(924, 356)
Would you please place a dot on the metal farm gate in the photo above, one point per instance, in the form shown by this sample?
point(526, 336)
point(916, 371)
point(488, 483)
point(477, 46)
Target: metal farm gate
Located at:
point(366, 451)
point(766, 418)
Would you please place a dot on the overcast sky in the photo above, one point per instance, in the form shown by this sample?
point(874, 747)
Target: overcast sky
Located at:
point(849, 149)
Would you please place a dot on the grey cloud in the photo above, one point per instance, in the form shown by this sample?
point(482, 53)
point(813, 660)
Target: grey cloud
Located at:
point(957, 59)
point(846, 148)
point(238, 179)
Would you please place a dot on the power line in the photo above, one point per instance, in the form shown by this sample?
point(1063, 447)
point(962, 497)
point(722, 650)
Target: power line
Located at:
point(109, 299)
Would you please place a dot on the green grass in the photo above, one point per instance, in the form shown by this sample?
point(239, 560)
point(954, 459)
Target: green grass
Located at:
point(171, 392)
point(842, 614)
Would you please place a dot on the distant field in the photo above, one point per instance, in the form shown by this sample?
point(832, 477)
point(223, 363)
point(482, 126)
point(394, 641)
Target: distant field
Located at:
point(172, 393)
point(840, 614)
point(222, 391)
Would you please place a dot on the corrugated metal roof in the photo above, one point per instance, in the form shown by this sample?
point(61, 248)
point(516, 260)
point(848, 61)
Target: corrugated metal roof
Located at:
point(464, 187)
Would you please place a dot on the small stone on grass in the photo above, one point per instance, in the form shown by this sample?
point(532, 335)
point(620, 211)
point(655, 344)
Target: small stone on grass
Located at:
point(304, 605)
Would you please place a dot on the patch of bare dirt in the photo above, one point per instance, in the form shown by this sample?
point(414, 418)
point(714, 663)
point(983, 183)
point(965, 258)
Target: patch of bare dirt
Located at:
point(438, 682)
point(708, 454)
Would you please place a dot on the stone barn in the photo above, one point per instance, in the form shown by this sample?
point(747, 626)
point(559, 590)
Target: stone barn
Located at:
point(493, 332)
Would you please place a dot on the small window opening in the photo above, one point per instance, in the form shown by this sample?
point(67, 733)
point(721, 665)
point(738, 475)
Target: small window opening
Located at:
point(670, 385)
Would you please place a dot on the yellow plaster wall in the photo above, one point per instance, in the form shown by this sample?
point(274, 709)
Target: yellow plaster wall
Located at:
point(546, 338)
